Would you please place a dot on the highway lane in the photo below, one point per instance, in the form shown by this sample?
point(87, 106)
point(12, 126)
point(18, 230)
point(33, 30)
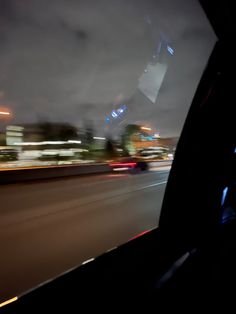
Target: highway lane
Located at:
point(47, 227)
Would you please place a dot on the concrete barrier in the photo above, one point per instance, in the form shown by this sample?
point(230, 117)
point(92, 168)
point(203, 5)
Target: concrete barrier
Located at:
point(30, 174)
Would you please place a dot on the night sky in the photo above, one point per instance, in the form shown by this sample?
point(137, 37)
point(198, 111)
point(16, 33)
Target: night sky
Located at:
point(77, 60)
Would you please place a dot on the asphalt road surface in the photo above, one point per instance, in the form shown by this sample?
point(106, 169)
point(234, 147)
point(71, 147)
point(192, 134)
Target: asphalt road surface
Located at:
point(48, 227)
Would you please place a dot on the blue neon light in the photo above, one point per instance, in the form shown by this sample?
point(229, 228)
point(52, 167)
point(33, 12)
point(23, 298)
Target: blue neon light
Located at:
point(171, 51)
point(225, 191)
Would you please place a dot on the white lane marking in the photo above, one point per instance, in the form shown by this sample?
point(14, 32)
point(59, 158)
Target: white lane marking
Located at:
point(151, 185)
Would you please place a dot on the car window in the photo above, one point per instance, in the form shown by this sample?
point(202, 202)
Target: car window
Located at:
point(93, 98)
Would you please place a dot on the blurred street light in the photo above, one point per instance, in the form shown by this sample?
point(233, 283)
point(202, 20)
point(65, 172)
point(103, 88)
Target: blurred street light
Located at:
point(99, 138)
point(5, 113)
point(146, 128)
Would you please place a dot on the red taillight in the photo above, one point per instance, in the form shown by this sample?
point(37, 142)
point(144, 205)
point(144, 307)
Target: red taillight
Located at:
point(123, 164)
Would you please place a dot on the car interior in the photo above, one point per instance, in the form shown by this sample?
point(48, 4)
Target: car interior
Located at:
point(194, 245)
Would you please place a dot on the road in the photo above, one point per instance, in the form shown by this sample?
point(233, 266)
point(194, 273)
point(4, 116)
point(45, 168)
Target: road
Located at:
point(47, 227)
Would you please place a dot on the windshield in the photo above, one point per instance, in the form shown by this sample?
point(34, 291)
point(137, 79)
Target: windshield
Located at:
point(93, 97)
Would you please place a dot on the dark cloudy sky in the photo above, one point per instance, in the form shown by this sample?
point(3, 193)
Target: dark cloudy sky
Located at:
point(72, 60)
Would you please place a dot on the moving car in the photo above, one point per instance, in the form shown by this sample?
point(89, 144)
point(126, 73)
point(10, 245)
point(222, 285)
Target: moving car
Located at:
point(154, 153)
point(130, 164)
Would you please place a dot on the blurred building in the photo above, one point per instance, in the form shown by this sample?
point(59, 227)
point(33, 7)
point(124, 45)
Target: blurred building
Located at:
point(168, 143)
point(14, 135)
point(2, 138)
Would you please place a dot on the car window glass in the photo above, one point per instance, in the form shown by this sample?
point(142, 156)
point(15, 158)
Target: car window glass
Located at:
point(93, 97)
